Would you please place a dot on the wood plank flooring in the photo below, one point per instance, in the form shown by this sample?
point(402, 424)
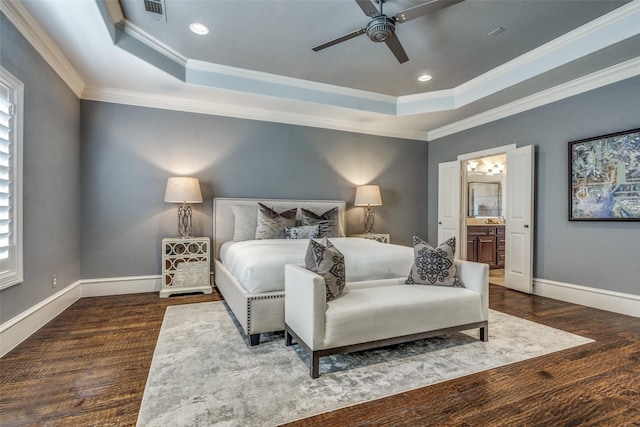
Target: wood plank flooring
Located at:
point(88, 367)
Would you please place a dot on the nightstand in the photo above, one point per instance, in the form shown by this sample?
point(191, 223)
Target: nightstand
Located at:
point(185, 266)
point(382, 238)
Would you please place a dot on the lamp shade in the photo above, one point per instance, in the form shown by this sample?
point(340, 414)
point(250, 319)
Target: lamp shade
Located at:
point(181, 189)
point(368, 195)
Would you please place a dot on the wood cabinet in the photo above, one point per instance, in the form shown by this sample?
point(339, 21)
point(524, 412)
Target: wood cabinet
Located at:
point(486, 244)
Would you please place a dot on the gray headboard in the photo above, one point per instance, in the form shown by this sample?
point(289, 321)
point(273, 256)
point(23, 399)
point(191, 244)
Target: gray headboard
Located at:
point(223, 225)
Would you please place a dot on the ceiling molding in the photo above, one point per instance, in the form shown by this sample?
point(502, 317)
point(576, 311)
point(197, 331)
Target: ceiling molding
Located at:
point(147, 39)
point(287, 81)
point(259, 83)
point(42, 43)
point(602, 32)
point(584, 84)
point(154, 100)
point(609, 29)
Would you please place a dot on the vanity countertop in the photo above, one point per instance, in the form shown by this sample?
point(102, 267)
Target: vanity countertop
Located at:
point(485, 221)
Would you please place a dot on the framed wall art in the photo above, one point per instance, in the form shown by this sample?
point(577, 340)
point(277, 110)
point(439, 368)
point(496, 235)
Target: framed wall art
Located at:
point(604, 177)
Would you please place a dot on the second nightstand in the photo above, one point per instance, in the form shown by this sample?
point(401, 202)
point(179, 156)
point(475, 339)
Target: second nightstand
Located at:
point(382, 238)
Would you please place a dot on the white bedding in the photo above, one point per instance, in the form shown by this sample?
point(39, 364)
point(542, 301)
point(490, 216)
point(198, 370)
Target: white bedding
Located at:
point(259, 264)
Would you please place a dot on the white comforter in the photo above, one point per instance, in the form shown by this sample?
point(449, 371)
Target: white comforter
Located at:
point(259, 264)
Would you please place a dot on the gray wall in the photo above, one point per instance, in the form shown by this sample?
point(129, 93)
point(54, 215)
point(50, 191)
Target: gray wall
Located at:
point(51, 176)
point(597, 254)
point(128, 153)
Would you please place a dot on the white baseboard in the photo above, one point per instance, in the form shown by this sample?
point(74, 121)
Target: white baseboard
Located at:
point(120, 286)
point(16, 330)
point(603, 299)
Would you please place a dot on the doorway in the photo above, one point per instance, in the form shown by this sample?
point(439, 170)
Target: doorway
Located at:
point(483, 221)
point(517, 205)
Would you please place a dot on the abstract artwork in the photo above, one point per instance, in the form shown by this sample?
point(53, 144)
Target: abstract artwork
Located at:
point(605, 178)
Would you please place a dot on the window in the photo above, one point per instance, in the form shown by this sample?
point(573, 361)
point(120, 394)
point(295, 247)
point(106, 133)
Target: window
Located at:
point(11, 99)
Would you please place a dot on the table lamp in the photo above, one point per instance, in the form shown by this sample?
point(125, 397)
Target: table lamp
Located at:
point(368, 196)
point(183, 190)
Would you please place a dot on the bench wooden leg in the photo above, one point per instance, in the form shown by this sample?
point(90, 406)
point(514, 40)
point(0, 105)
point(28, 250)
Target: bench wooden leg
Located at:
point(254, 339)
point(484, 333)
point(314, 365)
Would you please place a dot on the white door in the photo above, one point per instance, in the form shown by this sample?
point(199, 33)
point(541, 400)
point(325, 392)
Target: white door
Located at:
point(449, 203)
point(519, 193)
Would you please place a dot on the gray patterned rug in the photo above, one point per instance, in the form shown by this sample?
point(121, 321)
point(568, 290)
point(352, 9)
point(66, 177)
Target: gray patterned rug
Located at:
point(203, 372)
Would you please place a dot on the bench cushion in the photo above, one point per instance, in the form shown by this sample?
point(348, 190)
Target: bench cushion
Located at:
point(392, 311)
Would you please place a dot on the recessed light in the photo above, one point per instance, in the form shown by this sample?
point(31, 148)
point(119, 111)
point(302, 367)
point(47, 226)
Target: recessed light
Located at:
point(424, 78)
point(199, 29)
point(496, 31)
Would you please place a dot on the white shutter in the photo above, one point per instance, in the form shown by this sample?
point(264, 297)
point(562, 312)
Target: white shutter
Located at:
point(11, 95)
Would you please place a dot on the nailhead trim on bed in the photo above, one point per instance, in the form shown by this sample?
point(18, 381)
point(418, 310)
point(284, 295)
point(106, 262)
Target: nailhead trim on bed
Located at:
point(258, 298)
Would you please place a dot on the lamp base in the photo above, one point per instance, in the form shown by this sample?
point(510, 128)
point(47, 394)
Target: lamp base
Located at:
point(184, 221)
point(369, 219)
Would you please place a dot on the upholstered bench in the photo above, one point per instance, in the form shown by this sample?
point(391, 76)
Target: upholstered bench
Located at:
point(376, 313)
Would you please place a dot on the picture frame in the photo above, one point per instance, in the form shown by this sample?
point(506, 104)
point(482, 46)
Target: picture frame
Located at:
point(604, 177)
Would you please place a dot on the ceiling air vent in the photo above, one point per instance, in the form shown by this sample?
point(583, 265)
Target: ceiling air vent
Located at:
point(155, 9)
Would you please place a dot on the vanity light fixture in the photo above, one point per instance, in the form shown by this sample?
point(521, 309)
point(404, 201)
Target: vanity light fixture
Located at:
point(471, 166)
point(199, 29)
point(424, 78)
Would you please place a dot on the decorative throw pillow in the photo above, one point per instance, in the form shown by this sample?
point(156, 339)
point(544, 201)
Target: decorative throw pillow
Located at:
point(328, 223)
point(245, 220)
point(324, 259)
point(302, 232)
point(271, 224)
point(434, 266)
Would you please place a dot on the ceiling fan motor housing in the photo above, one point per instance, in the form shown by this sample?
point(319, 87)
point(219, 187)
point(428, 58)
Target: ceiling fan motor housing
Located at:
point(381, 28)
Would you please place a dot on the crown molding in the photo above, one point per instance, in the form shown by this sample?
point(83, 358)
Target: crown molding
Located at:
point(606, 30)
point(614, 27)
point(147, 39)
point(15, 11)
point(611, 28)
point(614, 74)
point(154, 100)
point(277, 79)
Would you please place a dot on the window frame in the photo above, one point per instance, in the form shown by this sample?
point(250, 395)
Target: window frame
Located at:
point(14, 272)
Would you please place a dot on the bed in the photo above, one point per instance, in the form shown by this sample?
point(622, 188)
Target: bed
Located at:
point(249, 273)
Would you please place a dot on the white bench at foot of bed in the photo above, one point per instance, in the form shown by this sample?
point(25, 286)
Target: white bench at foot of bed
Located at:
point(376, 313)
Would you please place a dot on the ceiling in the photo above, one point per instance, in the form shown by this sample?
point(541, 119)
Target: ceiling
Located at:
point(257, 61)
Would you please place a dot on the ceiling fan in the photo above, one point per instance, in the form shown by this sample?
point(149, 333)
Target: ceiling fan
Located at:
point(382, 28)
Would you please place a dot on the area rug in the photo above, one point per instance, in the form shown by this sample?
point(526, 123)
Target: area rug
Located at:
point(203, 372)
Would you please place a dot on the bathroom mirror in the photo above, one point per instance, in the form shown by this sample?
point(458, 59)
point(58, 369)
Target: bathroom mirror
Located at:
point(485, 199)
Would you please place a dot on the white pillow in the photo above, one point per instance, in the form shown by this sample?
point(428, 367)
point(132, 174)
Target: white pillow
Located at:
point(245, 218)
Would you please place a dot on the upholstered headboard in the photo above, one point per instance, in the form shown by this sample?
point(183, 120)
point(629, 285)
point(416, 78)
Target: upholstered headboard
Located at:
point(223, 224)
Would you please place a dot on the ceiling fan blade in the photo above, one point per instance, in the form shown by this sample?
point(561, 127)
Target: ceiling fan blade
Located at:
point(368, 8)
point(423, 9)
point(394, 44)
point(340, 39)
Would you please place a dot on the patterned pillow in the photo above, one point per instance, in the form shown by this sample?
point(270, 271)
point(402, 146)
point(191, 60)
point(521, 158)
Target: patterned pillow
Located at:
point(434, 266)
point(328, 223)
point(271, 224)
point(324, 259)
point(302, 232)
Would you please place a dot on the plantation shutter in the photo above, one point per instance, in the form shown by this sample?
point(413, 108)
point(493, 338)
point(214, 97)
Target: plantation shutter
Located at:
point(10, 135)
point(6, 121)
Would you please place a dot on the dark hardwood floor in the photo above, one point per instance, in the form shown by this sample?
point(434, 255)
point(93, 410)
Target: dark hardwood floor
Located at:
point(88, 367)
